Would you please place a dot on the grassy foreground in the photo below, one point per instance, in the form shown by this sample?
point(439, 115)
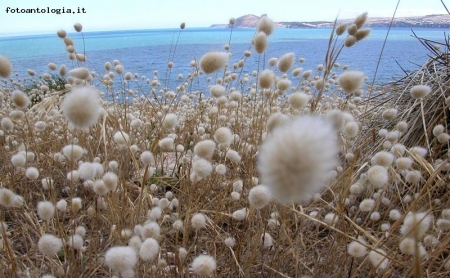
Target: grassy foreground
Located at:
point(286, 172)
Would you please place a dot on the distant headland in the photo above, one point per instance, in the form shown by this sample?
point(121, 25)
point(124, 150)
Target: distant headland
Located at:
point(427, 21)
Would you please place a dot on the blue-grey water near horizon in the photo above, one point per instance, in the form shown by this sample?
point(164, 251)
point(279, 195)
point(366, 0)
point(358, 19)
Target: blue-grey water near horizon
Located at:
point(143, 51)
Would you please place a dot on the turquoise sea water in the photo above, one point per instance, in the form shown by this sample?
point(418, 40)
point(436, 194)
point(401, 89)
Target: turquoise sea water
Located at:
point(143, 51)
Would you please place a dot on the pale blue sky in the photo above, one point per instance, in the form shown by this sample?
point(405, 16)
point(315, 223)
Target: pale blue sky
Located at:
point(135, 14)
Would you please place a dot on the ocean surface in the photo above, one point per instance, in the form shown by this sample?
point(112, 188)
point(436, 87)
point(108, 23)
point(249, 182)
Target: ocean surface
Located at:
point(143, 51)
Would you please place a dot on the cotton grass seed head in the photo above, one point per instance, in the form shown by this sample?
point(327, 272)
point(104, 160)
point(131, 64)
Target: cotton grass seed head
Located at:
point(149, 250)
point(420, 91)
point(5, 67)
point(378, 259)
point(266, 79)
point(266, 25)
point(73, 152)
point(286, 61)
point(121, 258)
point(20, 99)
point(259, 196)
point(205, 149)
point(213, 61)
point(356, 249)
point(32, 173)
point(49, 245)
point(350, 81)
point(223, 135)
point(170, 121)
point(45, 210)
point(378, 176)
point(260, 42)
point(383, 158)
point(81, 106)
point(198, 221)
point(416, 224)
point(166, 144)
point(202, 168)
point(204, 265)
point(80, 73)
point(298, 100)
point(296, 160)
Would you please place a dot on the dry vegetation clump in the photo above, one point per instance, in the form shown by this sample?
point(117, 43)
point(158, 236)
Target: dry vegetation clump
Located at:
point(284, 172)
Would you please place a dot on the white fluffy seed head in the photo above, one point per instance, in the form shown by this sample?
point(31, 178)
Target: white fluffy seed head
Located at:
point(283, 84)
point(260, 42)
point(61, 205)
point(147, 158)
point(408, 246)
point(213, 61)
point(75, 241)
point(404, 163)
point(73, 152)
point(204, 265)
point(286, 61)
point(5, 67)
point(32, 173)
point(121, 258)
point(151, 230)
point(217, 90)
point(378, 259)
point(296, 160)
point(389, 114)
point(356, 249)
point(351, 129)
point(233, 156)
point(240, 214)
point(205, 149)
point(266, 79)
point(367, 205)
point(49, 245)
point(110, 180)
point(438, 129)
point(420, 91)
point(80, 73)
point(20, 99)
point(18, 160)
point(298, 100)
point(45, 210)
point(383, 158)
point(415, 224)
point(149, 250)
point(221, 169)
point(230, 242)
point(121, 138)
point(378, 176)
point(402, 126)
point(350, 81)
point(81, 106)
point(259, 196)
point(223, 135)
point(7, 124)
point(202, 168)
point(198, 221)
point(170, 121)
point(86, 171)
point(266, 25)
point(331, 219)
point(166, 144)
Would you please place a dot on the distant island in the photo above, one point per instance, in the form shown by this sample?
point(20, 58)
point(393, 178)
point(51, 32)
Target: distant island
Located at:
point(428, 21)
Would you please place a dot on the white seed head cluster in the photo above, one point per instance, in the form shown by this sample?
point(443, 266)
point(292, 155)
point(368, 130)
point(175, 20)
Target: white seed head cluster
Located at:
point(214, 61)
point(81, 106)
point(204, 265)
point(295, 162)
